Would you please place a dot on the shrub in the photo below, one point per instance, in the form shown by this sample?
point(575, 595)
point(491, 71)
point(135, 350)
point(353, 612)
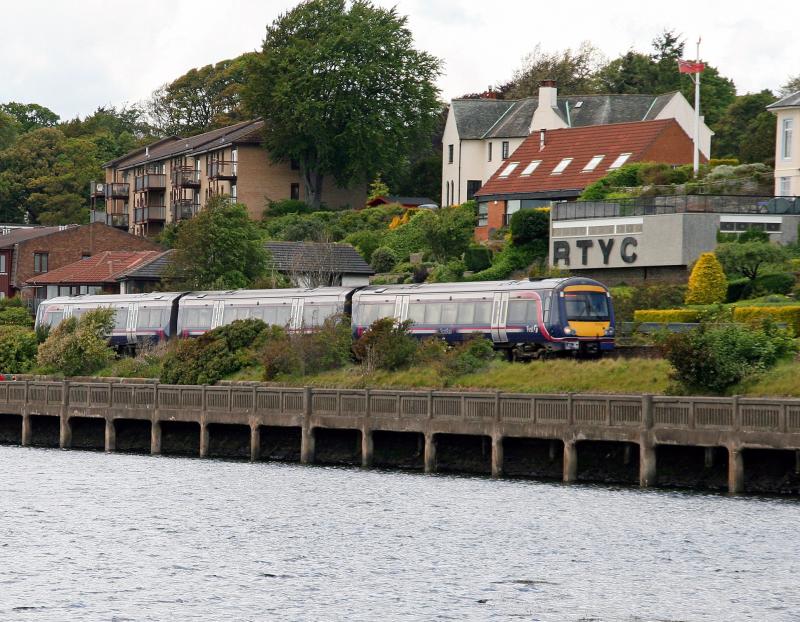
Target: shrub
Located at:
point(749, 259)
point(775, 283)
point(288, 354)
point(366, 242)
point(507, 261)
point(286, 206)
point(752, 235)
point(530, 225)
point(383, 259)
point(18, 346)
point(452, 271)
point(666, 315)
point(789, 315)
point(477, 257)
point(469, 356)
point(707, 283)
point(739, 289)
point(715, 357)
point(385, 345)
point(16, 316)
point(78, 347)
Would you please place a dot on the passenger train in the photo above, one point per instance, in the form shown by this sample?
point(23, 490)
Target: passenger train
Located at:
point(523, 318)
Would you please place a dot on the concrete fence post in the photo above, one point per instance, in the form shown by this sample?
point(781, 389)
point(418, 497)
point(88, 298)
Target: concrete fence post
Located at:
point(110, 435)
point(430, 453)
point(497, 455)
point(735, 470)
point(737, 414)
point(25, 440)
point(570, 473)
point(255, 440)
point(155, 436)
point(65, 428)
point(307, 445)
point(204, 437)
point(367, 446)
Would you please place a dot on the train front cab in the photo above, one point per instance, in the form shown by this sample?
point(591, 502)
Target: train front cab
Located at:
point(585, 321)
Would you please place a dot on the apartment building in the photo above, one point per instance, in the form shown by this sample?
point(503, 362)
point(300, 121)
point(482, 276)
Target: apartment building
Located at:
point(787, 145)
point(171, 179)
point(481, 134)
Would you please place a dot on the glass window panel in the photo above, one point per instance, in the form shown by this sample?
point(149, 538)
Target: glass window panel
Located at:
point(416, 312)
point(449, 310)
point(483, 312)
point(198, 317)
point(121, 318)
point(433, 313)
point(53, 318)
point(521, 312)
point(466, 312)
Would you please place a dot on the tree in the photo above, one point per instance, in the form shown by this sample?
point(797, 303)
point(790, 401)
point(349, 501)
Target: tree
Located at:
point(30, 116)
point(377, 189)
point(716, 93)
point(78, 346)
point(746, 259)
point(448, 231)
point(746, 130)
point(792, 86)
point(201, 99)
point(343, 91)
point(9, 128)
point(218, 249)
point(707, 283)
point(573, 70)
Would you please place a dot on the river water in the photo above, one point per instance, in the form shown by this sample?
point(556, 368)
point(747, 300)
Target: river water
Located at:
point(88, 536)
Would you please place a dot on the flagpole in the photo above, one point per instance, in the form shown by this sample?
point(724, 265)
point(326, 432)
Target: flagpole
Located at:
point(696, 159)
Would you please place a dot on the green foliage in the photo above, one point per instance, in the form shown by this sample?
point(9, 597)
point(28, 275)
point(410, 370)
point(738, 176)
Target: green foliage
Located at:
point(739, 289)
point(707, 283)
point(573, 70)
point(377, 189)
point(385, 345)
point(775, 283)
point(13, 312)
point(635, 175)
point(366, 242)
point(450, 272)
point(220, 248)
point(715, 357)
point(364, 229)
point(477, 257)
point(789, 315)
point(746, 130)
point(449, 231)
point(470, 356)
point(9, 130)
point(508, 261)
point(375, 90)
point(78, 347)
point(666, 316)
point(530, 226)
point(30, 117)
point(383, 259)
point(747, 259)
point(213, 355)
point(286, 206)
point(752, 235)
point(652, 297)
point(18, 345)
point(293, 354)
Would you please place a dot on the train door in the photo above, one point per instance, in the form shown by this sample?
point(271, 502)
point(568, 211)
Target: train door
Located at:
point(296, 319)
point(401, 308)
point(499, 314)
point(131, 321)
point(216, 316)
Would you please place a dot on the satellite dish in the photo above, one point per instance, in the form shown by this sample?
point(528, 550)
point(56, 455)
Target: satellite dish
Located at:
point(99, 187)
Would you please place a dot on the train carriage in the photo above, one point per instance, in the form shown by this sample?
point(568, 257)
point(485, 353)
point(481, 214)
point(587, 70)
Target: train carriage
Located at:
point(295, 309)
point(138, 318)
point(525, 318)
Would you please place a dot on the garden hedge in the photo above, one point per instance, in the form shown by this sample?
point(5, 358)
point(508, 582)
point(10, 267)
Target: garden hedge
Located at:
point(789, 315)
point(666, 315)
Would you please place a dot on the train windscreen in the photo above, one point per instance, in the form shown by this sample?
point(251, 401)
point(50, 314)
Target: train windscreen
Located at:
point(586, 306)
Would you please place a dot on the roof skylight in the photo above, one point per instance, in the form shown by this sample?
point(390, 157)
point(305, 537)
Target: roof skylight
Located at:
point(530, 168)
point(509, 169)
point(621, 159)
point(561, 166)
point(593, 163)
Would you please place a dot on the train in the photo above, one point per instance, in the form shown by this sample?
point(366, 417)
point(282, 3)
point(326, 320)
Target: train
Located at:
point(525, 318)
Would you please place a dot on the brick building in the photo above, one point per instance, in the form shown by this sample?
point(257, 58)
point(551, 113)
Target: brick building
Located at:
point(171, 179)
point(26, 253)
point(557, 165)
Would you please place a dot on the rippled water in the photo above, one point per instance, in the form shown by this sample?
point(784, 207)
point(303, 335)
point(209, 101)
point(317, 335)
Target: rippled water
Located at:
point(86, 536)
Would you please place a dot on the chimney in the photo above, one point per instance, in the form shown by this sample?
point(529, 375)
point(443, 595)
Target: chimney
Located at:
point(147, 152)
point(548, 94)
point(541, 138)
point(546, 114)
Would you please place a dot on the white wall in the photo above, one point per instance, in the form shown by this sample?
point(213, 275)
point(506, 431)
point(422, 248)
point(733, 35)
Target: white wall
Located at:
point(683, 112)
point(788, 167)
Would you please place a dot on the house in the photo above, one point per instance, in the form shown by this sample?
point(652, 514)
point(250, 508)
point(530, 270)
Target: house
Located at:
point(312, 264)
point(171, 179)
point(481, 134)
point(144, 277)
point(787, 145)
point(407, 202)
point(25, 253)
point(102, 273)
point(556, 165)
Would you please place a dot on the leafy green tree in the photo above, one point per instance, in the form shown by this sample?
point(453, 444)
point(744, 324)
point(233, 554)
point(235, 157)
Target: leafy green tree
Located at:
point(573, 70)
point(448, 232)
point(746, 130)
point(201, 99)
point(9, 129)
point(221, 248)
point(633, 72)
point(748, 258)
point(78, 347)
point(18, 346)
point(343, 91)
point(792, 86)
point(30, 116)
point(716, 93)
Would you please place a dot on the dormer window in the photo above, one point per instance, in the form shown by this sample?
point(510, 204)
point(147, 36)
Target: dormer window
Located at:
point(593, 163)
point(561, 166)
point(509, 169)
point(621, 159)
point(528, 170)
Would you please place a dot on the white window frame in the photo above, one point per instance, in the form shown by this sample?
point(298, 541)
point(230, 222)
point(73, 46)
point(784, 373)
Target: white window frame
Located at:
point(593, 163)
point(561, 166)
point(3, 267)
point(528, 170)
point(506, 150)
point(489, 155)
point(509, 169)
point(785, 187)
point(787, 131)
point(622, 158)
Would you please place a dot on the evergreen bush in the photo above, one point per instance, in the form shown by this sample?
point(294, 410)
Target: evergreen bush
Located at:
point(788, 314)
point(18, 346)
point(666, 316)
point(707, 283)
point(385, 345)
point(383, 259)
point(775, 283)
point(78, 346)
point(477, 257)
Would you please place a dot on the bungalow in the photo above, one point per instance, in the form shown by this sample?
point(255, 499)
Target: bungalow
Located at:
point(313, 264)
point(557, 165)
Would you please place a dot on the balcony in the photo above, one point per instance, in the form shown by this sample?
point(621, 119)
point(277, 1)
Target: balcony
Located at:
point(120, 220)
point(185, 209)
point(118, 190)
point(222, 170)
point(185, 177)
point(151, 181)
point(152, 213)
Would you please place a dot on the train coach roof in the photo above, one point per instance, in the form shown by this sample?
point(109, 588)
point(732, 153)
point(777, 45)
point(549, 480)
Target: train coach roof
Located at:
point(114, 298)
point(477, 286)
point(269, 293)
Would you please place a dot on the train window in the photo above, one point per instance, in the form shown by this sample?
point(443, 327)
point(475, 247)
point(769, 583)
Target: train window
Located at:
point(416, 313)
point(121, 318)
point(231, 314)
point(198, 317)
point(150, 318)
point(53, 318)
point(521, 312)
point(433, 313)
point(483, 313)
point(449, 310)
point(466, 313)
point(546, 298)
point(277, 315)
point(315, 315)
point(371, 312)
point(586, 306)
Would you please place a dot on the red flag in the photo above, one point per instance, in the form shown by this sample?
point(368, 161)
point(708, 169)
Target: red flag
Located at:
point(690, 66)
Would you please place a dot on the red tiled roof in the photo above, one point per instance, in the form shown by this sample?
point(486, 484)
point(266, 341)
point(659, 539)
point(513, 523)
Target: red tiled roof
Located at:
point(101, 268)
point(654, 140)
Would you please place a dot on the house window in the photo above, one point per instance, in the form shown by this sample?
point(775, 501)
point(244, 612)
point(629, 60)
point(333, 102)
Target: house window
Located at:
point(786, 139)
point(528, 170)
point(621, 159)
point(40, 262)
point(561, 166)
point(447, 192)
point(785, 187)
point(450, 154)
point(452, 192)
point(593, 163)
point(489, 158)
point(3, 264)
point(505, 150)
point(294, 192)
point(483, 214)
point(509, 169)
point(473, 185)
point(234, 195)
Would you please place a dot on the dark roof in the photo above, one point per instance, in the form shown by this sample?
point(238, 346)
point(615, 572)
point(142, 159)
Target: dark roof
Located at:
point(104, 267)
point(20, 235)
point(790, 101)
point(488, 118)
point(406, 201)
point(244, 132)
point(582, 144)
point(317, 257)
point(149, 270)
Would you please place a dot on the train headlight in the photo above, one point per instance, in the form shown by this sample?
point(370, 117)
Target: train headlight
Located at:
point(568, 330)
point(609, 332)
